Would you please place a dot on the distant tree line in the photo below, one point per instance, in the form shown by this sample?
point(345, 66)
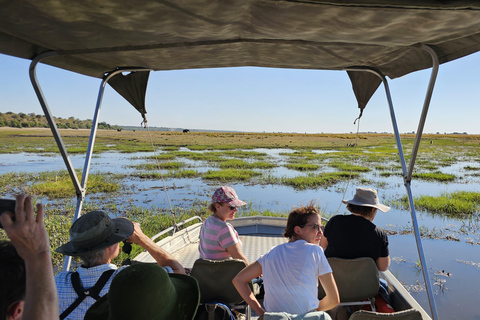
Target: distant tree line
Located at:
point(32, 120)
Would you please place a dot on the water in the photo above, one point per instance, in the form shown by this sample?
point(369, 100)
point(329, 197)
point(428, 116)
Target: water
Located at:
point(454, 266)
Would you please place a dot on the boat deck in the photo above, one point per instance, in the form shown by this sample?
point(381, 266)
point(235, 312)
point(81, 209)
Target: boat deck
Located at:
point(253, 247)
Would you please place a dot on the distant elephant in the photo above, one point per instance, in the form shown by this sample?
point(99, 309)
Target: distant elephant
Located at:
point(186, 131)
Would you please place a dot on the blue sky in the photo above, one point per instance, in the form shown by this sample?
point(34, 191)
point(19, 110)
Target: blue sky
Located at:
point(256, 99)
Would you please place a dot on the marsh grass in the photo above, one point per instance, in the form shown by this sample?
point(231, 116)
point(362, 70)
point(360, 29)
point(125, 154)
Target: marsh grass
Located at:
point(230, 175)
point(162, 156)
point(302, 166)
point(160, 165)
point(61, 186)
point(454, 204)
point(56, 184)
point(240, 164)
point(312, 181)
point(348, 166)
point(176, 174)
point(470, 168)
point(436, 176)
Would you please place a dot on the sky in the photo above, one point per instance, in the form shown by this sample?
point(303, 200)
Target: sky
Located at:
point(256, 99)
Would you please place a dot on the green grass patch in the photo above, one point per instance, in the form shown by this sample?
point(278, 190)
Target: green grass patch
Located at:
point(183, 174)
point(160, 165)
point(312, 181)
point(455, 204)
point(163, 156)
point(235, 164)
point(470, 168)
point(302, 166)
point(347, 167)
point(230, 175)
point(435, 176)
point(240, 164)
point(62, 187)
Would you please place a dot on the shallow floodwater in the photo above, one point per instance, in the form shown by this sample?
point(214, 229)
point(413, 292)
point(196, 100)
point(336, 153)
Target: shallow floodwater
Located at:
point(453, 265)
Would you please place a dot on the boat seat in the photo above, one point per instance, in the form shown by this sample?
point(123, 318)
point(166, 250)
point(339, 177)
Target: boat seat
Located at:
point(357, 280)
point(410, 314)
point(215, 280)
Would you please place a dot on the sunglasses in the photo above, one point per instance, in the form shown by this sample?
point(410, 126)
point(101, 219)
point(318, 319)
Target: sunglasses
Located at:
point(316, 226)
point(232, 208)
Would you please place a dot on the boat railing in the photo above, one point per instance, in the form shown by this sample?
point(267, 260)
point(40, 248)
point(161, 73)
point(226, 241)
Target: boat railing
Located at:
point(176, 227)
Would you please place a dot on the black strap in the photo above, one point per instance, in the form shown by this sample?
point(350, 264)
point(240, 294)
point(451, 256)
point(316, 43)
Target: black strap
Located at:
point(83, 293)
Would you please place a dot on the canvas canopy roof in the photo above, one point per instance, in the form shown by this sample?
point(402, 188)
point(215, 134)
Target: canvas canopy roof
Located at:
point(98, 36)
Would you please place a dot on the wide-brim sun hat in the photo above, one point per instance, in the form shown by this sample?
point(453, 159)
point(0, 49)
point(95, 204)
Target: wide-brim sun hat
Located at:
point(228, 195)
point(94, 231)
point(146, 291)
point(367, 197)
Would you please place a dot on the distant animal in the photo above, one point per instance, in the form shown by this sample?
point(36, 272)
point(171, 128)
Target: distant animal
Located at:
point(133, 130)
point(119, 130)
point(186, 131)
point(431, 141)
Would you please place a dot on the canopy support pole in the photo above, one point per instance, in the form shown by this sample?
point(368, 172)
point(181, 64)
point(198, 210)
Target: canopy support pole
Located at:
point(51, 121)
point(426, 104)
point(80, 188)
point(407, 174)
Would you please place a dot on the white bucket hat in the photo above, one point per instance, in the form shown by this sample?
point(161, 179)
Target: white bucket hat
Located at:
point(367, 197)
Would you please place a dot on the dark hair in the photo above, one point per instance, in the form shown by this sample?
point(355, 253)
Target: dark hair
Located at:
point(299, 217)
point(12, 277)
point(364, 211)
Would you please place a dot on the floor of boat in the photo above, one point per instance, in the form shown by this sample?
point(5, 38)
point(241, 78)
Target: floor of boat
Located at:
point(253, 247)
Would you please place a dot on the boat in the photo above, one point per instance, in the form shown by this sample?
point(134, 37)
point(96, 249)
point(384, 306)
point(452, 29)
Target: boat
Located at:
point(120, 42)
point(258, 234)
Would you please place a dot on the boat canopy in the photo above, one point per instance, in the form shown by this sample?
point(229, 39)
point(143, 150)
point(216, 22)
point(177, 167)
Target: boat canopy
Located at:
point(99, 36)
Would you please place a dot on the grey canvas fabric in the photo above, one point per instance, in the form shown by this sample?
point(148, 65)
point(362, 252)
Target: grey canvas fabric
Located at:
point(96, 36)
point(99, 36)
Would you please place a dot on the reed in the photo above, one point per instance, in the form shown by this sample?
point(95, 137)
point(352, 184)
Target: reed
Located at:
point(454, 204)
point(159, 165)
point(348, 166)
point(436, 176)
point(302, 166)
point(312, 181)
point(230, 175)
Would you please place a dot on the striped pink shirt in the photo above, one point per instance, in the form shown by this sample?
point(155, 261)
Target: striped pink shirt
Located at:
point(215, 237)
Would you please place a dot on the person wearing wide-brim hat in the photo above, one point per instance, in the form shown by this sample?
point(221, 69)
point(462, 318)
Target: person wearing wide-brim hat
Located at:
point(95, 238)
point(146, 291)
point(355, 235)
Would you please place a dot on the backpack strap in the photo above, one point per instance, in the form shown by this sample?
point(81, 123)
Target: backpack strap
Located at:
point(83, 293)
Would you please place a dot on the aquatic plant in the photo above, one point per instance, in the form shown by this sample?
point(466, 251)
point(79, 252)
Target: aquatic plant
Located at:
point(302, 166)
point(437, 176)
point(321, 180)
point(230, 175)
point(456, 203)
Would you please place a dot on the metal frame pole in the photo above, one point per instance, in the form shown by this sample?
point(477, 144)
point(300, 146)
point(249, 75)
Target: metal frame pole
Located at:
point(418, 238)
point(80, 188)
point(426, 104)
point(51, 121)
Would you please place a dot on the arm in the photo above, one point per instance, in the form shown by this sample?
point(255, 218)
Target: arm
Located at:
point(162, 257)
point(332, 297)
point(383, 263)
point(30, 238)
point(237, 253)
point(241, 281)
